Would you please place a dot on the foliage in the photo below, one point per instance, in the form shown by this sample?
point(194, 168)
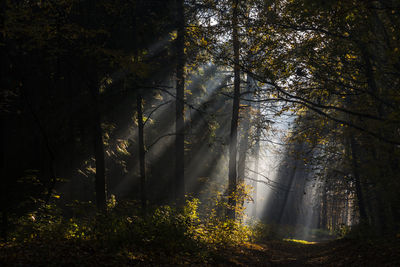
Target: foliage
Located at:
point(123, 230)
point(361, 232)
point(343, 231)
point(47, 223)
point(262, 232)
point(323, 234)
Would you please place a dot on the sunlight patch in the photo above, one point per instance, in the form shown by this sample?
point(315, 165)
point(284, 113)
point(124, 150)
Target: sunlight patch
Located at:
point(299, 241)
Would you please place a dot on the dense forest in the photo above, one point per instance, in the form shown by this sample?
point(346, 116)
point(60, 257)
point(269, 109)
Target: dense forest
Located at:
point(198, 132)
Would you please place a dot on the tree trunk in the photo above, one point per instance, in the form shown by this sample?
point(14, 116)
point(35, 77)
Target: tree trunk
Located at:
point(346, 210)
point(235, 116)
point(179, 124)
point(100, 179)
point(359, 192)
point(257, 155)
point(324, 213)
point(256, 170)
point(289, 186)
point(3, 182)
point(142, 159)
point(244, 142)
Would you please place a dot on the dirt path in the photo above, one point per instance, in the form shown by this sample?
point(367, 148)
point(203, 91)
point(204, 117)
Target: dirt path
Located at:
point(334, 253)
point(384, 252)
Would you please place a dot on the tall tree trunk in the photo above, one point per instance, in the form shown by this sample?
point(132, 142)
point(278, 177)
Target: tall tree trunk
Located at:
point(384, 217)
point(142, 159)
point(361, 200)
point(334, 213)
point(4, 224)
point(346, 209)
point(324, 212)
point(50, 159)
point(100, 178)
point(179, 122)
point(257, 155)
point(3, 182)
point(139, 107)
point(244, 142)
point(384, 214)
point(359, 192)
point(235, 116)
point(256, 170)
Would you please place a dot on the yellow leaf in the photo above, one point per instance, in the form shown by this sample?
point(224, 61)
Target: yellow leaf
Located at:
point(348, 56)
point(203, 41)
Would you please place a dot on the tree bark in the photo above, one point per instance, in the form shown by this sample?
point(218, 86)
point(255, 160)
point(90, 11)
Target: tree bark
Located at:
point(142, 155)
point(289, 186)
point(359, 192)
point(100, 179)
point(256, 169)
point(257, 155)
point(3, 182)
point(244, 142)
point(179, 122)
point(232, 186)
point(324, 214)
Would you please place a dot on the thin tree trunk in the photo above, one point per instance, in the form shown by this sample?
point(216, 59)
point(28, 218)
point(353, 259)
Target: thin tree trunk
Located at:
point(4, 224)
point(100, 179)
point(256, 169)
point(142, 155)
point(244, 143)
point(179, 123)
point(257, 155)
point(334, 213)
point(3, 205)
point(235, 116)
point(324, 214)
point(319, 211)
point(3, 181)
point(346, 209)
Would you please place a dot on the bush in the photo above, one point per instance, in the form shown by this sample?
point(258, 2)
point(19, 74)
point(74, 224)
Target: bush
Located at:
point(163, 231)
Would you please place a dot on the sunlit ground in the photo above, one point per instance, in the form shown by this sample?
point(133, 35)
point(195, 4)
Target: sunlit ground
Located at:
point(299, 241)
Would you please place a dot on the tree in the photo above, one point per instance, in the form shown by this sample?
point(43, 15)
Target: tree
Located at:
point(180, 95)
point(142, 152)
point(232, 186)
point(100, 180)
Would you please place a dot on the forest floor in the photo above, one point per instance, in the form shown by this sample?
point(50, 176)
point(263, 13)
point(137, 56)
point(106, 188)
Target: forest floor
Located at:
point(332, 253)
point(273, 253)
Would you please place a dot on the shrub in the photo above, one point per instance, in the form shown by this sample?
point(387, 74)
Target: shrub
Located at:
point(122, 228)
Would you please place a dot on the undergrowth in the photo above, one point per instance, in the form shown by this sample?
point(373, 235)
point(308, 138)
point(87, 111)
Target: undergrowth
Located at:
point(123, 230)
